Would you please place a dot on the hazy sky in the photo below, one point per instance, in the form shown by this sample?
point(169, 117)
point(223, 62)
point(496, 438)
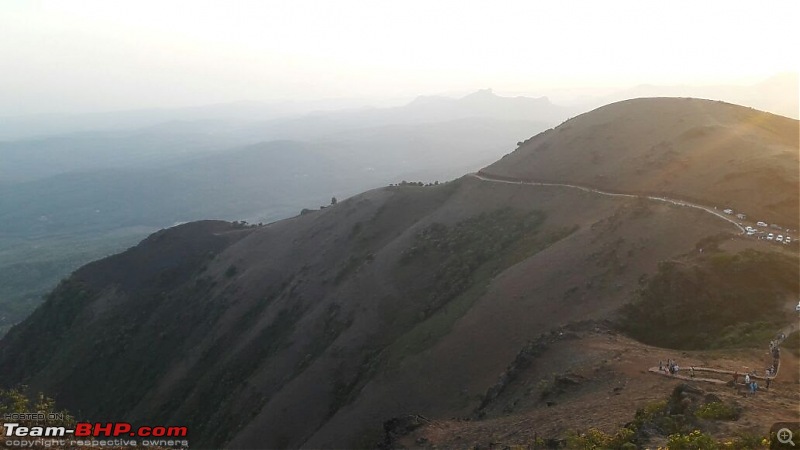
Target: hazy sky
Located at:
point(85, 55)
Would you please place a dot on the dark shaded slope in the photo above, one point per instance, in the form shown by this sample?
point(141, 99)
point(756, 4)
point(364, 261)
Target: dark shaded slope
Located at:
point(206, 329)
point(182, 320)
point(710, 152)
point(102, 323)
point(715, 300)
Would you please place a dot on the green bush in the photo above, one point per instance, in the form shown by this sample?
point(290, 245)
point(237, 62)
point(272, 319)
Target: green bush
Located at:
point(695, 440)
point(717, 301)
point(792, 343)
point(746, 441)
point(717, 411)
point(16, 400)
point(683, 431)
point(595, 439)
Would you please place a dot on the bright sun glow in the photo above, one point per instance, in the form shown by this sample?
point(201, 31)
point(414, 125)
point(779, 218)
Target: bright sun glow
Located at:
point(98, 55)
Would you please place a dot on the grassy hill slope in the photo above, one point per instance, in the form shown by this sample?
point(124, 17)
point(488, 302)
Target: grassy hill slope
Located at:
point(714, 153)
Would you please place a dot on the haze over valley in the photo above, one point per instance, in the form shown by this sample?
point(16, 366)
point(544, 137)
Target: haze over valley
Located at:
point(70, 199)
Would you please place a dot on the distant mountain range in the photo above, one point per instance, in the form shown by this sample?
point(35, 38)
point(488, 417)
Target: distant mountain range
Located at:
point(69, 199)
point(778, 94)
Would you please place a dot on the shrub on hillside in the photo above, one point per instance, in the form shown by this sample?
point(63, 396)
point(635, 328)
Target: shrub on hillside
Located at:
point(17, 401)
point(458, 251)
point(695, 440)
point(717, 411)
point(680, 425)
point(792, 343)
point(719, 300)
point(597, 439)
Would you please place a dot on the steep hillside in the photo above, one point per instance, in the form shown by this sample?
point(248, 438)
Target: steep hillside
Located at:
point(137, 184)
point(315, 330)
point(715, 153)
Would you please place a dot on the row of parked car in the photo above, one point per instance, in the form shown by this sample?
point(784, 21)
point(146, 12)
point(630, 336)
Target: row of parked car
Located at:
point(779, 238)
point(768, 236)
point(762, 234)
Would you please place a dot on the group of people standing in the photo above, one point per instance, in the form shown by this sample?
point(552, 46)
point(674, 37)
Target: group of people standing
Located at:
point(750, 383)
point(769, 372)
point(671, 367)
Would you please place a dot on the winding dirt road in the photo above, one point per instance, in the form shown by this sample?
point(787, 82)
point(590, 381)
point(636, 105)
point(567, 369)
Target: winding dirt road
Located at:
point(707, 209)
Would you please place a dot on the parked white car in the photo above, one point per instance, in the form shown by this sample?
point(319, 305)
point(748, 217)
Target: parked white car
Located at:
point(762, 224)
point(779, 238)
point(787, 240)
point(770, 237)
point(727, 211)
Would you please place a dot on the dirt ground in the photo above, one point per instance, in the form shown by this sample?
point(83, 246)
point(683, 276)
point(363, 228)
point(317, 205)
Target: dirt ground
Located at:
point(613, 381)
